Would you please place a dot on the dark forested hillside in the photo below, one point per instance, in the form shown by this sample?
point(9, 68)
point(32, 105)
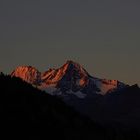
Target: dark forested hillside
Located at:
point(28, 112)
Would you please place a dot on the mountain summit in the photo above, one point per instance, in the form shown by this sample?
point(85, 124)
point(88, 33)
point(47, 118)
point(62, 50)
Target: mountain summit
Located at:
point(69, 71)
point(28, 74)
point(70, 79)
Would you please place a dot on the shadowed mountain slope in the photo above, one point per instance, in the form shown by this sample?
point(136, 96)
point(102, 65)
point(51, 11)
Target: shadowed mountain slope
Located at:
point(27, 112)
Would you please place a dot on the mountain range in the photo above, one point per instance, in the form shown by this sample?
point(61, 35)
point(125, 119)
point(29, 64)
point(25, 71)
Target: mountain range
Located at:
point(71, 78)
point(104, 101)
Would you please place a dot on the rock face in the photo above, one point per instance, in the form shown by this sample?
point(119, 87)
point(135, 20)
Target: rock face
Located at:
point(70, 79)
point(68, 73)
point(28, 74)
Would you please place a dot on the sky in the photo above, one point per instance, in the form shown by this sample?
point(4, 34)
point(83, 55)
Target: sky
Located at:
point(102, 35)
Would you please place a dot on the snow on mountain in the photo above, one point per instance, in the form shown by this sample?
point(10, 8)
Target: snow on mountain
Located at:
point(107, 85)
point(70, 79)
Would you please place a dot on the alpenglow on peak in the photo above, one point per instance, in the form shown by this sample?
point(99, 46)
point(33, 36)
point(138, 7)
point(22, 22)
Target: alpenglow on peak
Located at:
point(71, 78)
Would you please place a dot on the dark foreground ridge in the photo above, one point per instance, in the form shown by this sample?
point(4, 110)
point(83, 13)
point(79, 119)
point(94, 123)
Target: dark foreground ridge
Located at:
point(27, 112)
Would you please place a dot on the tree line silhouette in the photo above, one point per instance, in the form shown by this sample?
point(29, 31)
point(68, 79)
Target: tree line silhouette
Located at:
point(27, 112)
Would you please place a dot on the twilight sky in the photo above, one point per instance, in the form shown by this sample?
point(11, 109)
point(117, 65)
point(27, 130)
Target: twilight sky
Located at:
point(102, 35)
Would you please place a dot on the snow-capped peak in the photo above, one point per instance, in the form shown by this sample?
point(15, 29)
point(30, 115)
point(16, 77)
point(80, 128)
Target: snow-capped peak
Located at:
point(69, 72)
point(73, 66)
